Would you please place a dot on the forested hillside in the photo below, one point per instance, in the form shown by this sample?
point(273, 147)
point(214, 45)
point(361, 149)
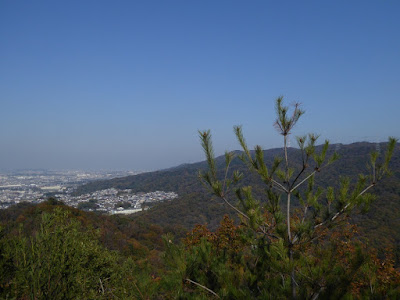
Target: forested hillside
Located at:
point(52, 251)
point(196, 205)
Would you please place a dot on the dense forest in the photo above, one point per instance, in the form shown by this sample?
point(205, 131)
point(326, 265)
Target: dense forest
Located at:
point(52, 251)
point(313, 222)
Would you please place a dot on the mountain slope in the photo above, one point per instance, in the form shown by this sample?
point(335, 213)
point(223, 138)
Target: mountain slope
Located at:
point(196, 205)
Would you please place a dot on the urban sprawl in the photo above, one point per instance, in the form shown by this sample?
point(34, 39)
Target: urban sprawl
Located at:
point(36, 186)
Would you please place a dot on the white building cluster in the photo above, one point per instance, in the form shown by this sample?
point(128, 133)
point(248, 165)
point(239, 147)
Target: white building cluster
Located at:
point(117, 201)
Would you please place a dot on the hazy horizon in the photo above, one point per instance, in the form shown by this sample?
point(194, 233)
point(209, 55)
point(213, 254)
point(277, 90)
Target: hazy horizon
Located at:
point(125, 86)
point(123, 169)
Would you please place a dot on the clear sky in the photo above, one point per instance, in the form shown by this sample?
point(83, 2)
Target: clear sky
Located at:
point(127, 84)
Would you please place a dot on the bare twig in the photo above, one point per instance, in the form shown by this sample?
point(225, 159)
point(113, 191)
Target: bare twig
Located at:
point(305, 179)
point(226, 175)
point(264, 231)
point(276, 184)
point(102, 287)
point(305, 213)
point(298, 175)
point(141, 295)
point(234, 208)
point(308, 177)
point(316, 295)
point(203, 287)
point(296, 237)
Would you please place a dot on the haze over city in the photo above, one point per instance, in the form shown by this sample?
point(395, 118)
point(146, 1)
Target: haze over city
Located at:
point(126, 85)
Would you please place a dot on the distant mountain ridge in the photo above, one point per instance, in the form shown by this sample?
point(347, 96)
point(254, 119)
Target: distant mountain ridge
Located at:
point(168, 178)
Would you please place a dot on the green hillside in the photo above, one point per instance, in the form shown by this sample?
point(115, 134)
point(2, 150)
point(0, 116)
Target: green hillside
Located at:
point(196, 205)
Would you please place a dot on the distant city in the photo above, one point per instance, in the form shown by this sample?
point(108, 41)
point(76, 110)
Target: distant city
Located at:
point(35, 186)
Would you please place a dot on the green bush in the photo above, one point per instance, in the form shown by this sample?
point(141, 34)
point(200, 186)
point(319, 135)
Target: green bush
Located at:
point(64, 260)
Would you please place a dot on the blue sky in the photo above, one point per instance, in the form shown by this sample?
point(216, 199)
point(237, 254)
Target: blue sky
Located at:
point(127, 84)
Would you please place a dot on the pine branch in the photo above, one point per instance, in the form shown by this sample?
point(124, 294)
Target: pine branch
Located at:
point(344, 208)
